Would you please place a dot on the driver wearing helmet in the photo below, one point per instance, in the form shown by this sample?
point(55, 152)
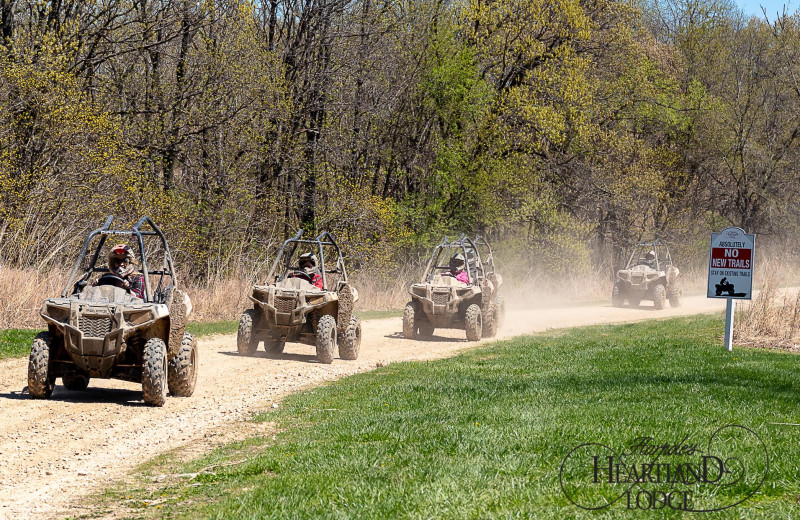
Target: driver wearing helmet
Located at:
point(307, 265)
point(457, 271)
point(121, 263)
point(650, 259)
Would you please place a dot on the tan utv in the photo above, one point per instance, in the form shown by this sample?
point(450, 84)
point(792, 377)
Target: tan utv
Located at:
point(458, 290)
point(648, 275)
point(308, 300)
point(100, 328)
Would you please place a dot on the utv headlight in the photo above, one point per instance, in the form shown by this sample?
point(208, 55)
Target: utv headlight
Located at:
point(135, 318)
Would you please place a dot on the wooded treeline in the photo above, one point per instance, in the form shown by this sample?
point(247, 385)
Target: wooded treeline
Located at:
point(560, 128)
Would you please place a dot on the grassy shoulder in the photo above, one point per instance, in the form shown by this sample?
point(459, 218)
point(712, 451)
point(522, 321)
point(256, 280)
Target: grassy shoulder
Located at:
point(379, 315)
point(16, 342)
point(485, 434)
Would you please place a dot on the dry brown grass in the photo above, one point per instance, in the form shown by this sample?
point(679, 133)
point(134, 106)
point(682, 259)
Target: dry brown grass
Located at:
point(771, 319)
point(22, 292)
point(221, 297)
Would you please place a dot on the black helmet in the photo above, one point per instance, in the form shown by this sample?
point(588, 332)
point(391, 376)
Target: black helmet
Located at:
point(457, 260)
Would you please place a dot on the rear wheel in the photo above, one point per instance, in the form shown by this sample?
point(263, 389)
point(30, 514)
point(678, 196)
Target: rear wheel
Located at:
point(490, 320)
point(409, 321)
point(246, 341)
point(154, 372)
point(424, 328)
point(273, 345)
point(75, 382)
point(659, 296)
point(617, 296)
point(41, 382)
point(326, 338)
point(351, 340)
point(473, 322)
point(183, 368)
point(500, 305)
point(675, 298)
point(634, 300)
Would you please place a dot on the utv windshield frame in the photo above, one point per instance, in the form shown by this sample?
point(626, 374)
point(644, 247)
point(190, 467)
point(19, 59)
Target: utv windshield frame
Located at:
point(289, 247)
point(464, 245)
point(75, 285)
point(662, 260)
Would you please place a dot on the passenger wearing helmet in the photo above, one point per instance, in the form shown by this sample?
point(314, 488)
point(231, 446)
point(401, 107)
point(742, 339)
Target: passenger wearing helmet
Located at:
point(121, 264)
point(457, 271)
point(307, 268)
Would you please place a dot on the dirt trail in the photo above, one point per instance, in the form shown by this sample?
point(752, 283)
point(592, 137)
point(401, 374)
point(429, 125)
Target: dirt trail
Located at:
point(56, 451)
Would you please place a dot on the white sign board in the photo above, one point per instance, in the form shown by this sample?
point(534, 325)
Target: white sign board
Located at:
point(730, 264)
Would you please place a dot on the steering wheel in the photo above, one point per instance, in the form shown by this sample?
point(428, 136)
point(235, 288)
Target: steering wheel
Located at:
point(299, 273)
point(112, 279)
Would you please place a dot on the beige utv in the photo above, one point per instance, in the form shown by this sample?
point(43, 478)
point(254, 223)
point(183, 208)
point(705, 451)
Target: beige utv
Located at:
point(440, 300)
point(98, 329)
point(648, 275)
point(314, 307)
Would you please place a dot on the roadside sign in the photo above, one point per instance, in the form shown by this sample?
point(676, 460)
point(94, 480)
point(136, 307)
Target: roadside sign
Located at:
point(730, 272)
point(730, 264)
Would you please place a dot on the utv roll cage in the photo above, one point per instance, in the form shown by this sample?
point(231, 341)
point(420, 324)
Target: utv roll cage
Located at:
point(472, 265)
point(663, 258)
point(167, 269)
point(289, 247)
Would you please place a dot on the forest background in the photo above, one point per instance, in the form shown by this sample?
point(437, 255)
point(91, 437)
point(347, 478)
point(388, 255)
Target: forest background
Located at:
point(563, 130)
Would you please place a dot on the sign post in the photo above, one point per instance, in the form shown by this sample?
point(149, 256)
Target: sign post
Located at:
point(730, 271)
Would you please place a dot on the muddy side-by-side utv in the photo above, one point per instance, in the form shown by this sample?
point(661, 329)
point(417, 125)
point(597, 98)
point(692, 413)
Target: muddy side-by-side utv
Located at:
point(446, 300)
point(311, 305)
point(100, 329)
point(648, 275)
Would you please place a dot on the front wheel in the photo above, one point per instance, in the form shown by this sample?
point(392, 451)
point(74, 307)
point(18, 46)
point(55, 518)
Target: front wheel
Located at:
point(246, 340)
point(41, 382)
point(154, 372)
point(183, 368)
point(659, 296)
point(617, 296)
point(473, 322)
point(326, 338)
point(351, 340)
point(409, 321)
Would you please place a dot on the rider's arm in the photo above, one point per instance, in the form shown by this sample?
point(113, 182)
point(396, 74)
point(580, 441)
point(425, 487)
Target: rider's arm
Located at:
point(137, 285)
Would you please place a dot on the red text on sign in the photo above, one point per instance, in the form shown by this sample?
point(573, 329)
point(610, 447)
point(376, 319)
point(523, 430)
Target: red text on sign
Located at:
point(730, 258)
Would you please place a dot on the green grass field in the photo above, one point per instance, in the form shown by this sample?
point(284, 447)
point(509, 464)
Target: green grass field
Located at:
point(16, 342)
point(379, 315)
point(484, 434)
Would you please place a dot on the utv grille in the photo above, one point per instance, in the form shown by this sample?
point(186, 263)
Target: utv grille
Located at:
point(285, 304)
point(94, 327)
point(441, 298)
